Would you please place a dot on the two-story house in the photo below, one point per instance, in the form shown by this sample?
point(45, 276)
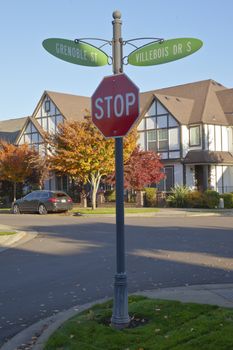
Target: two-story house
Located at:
point(190, 126)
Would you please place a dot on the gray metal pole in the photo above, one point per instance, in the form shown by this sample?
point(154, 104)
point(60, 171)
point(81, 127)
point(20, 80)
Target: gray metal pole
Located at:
point(120, 316)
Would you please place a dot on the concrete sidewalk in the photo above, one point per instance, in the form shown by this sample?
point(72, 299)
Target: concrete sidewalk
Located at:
point(34, 337)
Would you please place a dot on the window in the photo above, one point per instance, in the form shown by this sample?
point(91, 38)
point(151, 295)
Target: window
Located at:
point(151, 140)
point(47, 106)
point(52, 125)
point(172, 122)
point(173, 139)
point(159, 131)
point(141, 140)
point(168, 182)
point(44, 195)
point(151, 123)
point(59, 119)
point(161, 109)
point(194, 136)
point(30, 196)
point(151, 111)
point(141, 125)
point(162, 122)
point(162, 140)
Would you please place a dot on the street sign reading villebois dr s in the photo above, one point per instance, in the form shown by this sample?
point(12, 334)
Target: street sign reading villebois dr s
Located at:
point(164, 51)
point(115, 105)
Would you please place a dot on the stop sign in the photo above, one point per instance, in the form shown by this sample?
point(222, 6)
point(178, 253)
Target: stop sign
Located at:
point(115, 105)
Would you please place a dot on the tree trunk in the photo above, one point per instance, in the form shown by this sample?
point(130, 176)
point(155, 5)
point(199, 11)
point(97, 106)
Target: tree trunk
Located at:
point(84, 199)
point(14, 190)
point(93, 198)
point(95, 181)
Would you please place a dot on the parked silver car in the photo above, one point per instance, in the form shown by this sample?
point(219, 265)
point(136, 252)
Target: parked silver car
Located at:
point(43, 202)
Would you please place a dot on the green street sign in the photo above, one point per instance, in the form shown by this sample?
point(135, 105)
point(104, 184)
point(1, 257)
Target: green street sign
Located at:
point(76, 52)
point(163, 52)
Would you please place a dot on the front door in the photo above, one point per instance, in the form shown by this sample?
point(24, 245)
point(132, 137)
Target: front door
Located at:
point(201, 177)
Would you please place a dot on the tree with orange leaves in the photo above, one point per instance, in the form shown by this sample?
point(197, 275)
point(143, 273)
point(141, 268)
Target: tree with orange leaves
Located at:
point(82, 152)
point(16, 163)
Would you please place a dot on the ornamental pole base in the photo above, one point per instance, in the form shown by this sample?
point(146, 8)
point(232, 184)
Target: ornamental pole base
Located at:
point(120, 317)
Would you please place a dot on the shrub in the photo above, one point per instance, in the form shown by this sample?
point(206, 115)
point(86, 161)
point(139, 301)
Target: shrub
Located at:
point(195, 199)
point(150, 197)
point(211, 199)
point(4, 202)
point(110, 196)
point(228, 200)
point(178, 197)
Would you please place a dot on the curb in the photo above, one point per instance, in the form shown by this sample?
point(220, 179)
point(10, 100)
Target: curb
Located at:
point(7, 242)
point(35, 336)
point(160, 214)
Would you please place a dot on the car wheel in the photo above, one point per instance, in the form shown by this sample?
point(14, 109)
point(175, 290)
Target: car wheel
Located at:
point(42, 210)
point(16, 209)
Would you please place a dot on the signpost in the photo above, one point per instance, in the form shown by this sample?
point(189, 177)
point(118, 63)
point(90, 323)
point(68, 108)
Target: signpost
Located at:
point(115, 105)
point(115, 108)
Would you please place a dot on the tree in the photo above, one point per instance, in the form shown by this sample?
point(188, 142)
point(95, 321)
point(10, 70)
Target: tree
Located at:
point(40, 169)
point(143, 168)
point(16, 163)
point(81, 151)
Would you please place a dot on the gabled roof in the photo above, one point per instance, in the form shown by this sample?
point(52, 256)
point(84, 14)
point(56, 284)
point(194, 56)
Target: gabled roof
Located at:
point(226, 100)
point(206, 106)
point(200, 102)
point(181, 108)
point(72, 107)
point(36, 125)
point(10, 129)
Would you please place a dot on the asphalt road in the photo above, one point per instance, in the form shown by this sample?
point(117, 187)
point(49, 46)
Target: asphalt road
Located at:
point(72, 261)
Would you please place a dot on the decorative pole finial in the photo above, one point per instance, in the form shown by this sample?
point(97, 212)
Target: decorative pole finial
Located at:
point(116, 14)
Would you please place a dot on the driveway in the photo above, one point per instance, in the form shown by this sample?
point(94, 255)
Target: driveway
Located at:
point(72, 261)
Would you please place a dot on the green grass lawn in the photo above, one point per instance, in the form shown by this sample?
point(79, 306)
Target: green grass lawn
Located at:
point(113, 210)
point(7, 233)
point(168, 325)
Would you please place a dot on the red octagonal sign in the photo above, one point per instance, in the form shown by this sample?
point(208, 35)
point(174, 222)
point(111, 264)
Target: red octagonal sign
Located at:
point(115, 105)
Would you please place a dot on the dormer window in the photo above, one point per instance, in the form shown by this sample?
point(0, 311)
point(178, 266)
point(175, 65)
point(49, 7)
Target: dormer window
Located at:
point(47, 106)
point(194, 136)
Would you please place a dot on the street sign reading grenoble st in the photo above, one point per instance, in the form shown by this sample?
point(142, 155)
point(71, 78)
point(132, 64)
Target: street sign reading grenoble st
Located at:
point(115, 105)
point(79, 53)
point(163, 52)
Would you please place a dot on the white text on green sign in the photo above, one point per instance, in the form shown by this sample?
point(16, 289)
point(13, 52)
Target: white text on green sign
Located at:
point(76, 52)
point(163, 52)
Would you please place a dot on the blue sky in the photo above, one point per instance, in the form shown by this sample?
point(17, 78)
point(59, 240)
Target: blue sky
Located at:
point(26, 69)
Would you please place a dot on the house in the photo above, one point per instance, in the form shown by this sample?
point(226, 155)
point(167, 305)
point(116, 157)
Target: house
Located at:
point(53, 108)
point(190, 126)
